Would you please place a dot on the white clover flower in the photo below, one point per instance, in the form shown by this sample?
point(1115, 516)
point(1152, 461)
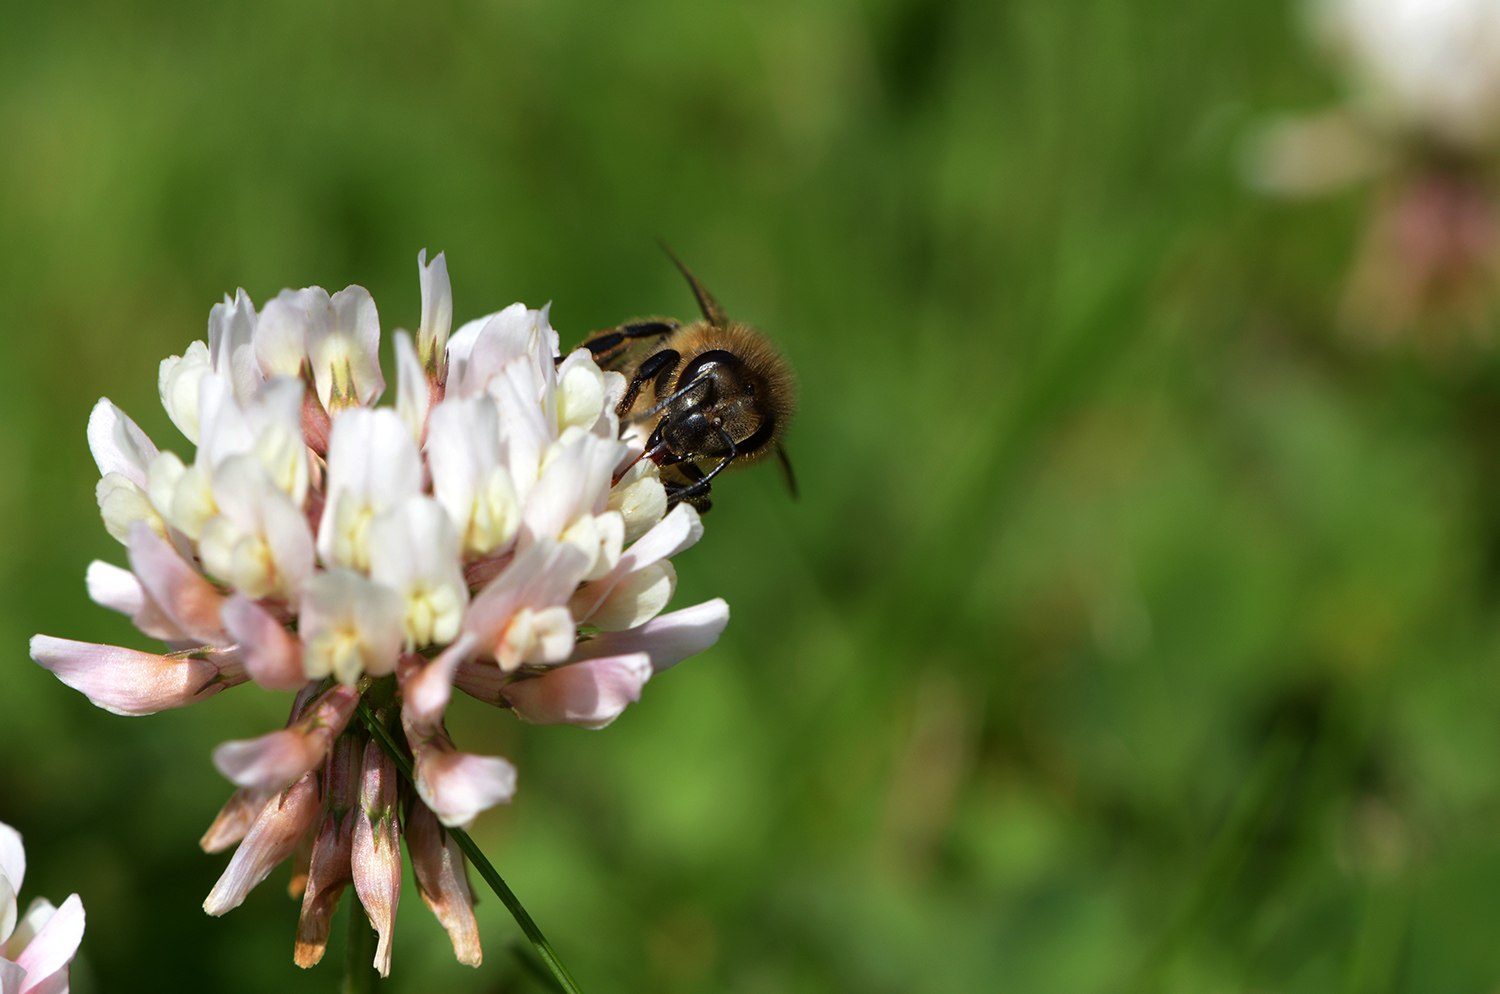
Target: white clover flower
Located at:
point(488, 532)
point(1425, 77)
point(35, 947)
point(1428, 66)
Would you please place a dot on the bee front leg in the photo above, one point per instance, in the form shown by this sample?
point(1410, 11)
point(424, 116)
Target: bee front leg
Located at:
point(612, 343)
point(659, 364)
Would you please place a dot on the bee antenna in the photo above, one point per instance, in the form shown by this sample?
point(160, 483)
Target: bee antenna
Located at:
point(786, 469)
point(712, 312)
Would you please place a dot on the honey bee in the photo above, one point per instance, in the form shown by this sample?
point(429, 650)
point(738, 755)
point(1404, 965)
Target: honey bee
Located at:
point(714, 391)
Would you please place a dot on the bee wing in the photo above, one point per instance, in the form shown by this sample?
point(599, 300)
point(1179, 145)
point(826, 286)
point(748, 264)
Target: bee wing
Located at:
point(712, 312)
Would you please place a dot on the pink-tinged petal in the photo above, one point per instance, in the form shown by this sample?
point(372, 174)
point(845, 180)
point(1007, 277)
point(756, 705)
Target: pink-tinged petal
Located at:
point(54, 946)
point(128, 682)
point(541, 576)
point(425, 693)
point(589, 695)
point(668, 639)
point(12, 861)
point(118, 445)
point(187, 598)
point(272, 657)
point(329, 871)
point(272, 761)
point(118, 589)
point(273, 837)
point(11, 977)
point(482, 679)
point(443, 882)
point(235, 819)
point(679, 530)
point(376, 854)
point(457, 785)
point(37, 913)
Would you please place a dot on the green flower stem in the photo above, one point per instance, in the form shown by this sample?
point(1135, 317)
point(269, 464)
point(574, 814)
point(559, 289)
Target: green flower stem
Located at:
point(360, 977)
point(486, 869)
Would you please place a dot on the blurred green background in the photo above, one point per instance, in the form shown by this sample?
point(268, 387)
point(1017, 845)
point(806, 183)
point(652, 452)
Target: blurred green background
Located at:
point(1135, 630)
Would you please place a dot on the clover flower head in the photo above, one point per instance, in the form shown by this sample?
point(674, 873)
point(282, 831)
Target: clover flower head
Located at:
point(489, 531)
point(37, 946)
point(1427, 67)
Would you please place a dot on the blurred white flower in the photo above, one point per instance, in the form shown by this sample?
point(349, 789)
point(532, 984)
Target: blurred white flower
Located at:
point(1423, 120)
point(490, 531)
point(1427, 67)
point(35, 947)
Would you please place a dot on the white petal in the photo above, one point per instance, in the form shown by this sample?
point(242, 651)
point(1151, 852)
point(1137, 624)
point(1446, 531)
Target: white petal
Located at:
point(640, 498)
point(11, 977)
point(115, 588)
point(118, 589)
point(636, 599)
point(7, 910)
point(231, 343)
point(349, 625)
point(122, 504)
point(580, 391)
point(468, 478)
point(678, 531)
point(437, 309)
point(414, 551)
point(12, 857)
point(413, 393)
point(281, 333)
point(118, 445)
point(177, 383)
point(344, 351)
point(668, 639)
point(224, 429)
point(373, 465)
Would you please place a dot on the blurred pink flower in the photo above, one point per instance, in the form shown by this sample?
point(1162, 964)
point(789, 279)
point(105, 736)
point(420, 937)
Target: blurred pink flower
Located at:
point(490, 531)
point(36, 947)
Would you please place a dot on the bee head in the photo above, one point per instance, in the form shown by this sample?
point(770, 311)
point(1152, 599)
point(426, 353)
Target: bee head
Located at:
point(718, 409)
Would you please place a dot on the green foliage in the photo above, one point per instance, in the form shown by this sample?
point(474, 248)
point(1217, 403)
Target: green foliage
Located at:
point(1135, 630)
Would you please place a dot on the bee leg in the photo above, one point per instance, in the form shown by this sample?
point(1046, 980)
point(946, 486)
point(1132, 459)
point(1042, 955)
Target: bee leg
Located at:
point(696, 493)
point(608, 345)
point(658, 364)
